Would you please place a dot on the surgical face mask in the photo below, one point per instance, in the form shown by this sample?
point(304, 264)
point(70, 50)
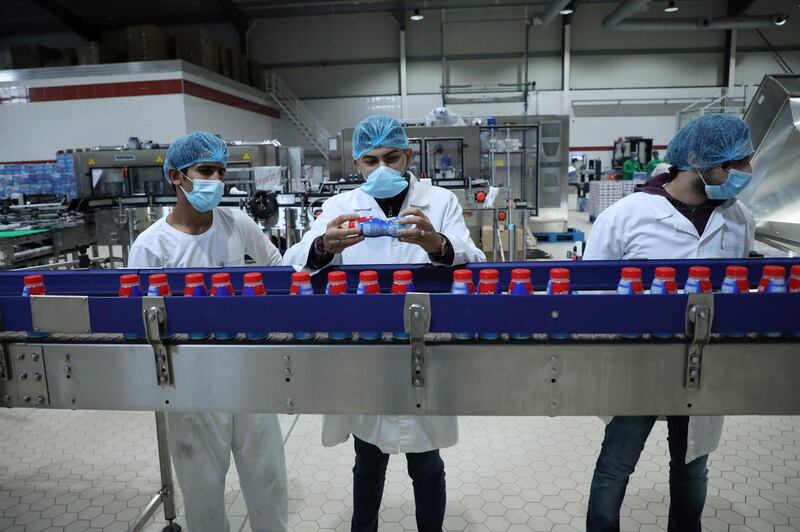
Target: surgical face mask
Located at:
point(733, 185)
point(384, 182)
point(205, 194)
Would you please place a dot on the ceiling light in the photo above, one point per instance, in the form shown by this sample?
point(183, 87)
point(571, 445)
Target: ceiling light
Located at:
point(568, 9)
point(671, 8)
point(417, 15)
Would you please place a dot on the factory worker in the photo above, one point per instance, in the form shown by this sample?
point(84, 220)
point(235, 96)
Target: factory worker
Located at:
point(439, 236)
point(199, 234)
point(691, 212)
point(654, 162)
point(631, 165)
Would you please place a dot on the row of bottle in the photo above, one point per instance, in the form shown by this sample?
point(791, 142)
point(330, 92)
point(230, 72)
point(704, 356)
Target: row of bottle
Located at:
point(664, 282)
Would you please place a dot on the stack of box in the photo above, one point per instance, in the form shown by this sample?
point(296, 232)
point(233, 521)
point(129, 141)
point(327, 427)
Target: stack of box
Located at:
point(244, 63)
point(39, 178)
point(148, 43)
point(96, 53)
point(488, 238)
point(199, 48)
point(225, 62)
point(37, 56)
point(258, 76)
point(603, 194)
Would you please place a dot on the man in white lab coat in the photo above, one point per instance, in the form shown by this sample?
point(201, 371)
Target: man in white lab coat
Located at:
point(439, 236)
point(199, 234)
point(689, 212)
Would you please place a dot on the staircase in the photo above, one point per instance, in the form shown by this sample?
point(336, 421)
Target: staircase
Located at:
point(718, 102)
point(298, 114)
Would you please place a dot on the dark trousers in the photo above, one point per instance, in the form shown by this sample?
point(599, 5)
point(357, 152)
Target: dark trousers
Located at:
point(624, 440)
point(427, 473)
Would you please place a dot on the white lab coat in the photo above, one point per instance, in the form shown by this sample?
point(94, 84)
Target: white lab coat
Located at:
point(201, 443)
point(647, 226)
point(392, 434)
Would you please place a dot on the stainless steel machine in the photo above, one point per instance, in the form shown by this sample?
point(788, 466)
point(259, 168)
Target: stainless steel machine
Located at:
point(525, 157)
point(774, 194)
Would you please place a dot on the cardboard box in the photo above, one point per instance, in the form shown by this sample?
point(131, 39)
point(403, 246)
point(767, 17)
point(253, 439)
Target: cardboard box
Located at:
point(244, 61)
point(96, 53)
point(199, 48)
point(34, 56)
point(236, 64)
point(148, 43)
point(488, 238)
point(258, 76)
point(225, 62)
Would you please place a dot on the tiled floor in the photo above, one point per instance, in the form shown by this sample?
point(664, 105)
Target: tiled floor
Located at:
point(78, 471)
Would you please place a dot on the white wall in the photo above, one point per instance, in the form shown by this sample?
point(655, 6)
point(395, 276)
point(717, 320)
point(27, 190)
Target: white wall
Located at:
point(229, 122)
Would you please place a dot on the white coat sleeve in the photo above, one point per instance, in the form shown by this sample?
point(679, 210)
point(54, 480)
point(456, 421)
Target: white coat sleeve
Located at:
point(605, 241)
point(750, 235)
point(297, 255)
point(454, 228)
point(258, 246)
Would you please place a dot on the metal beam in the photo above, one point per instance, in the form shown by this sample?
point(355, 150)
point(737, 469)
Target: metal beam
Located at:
point(238, 20)
point(70, 19)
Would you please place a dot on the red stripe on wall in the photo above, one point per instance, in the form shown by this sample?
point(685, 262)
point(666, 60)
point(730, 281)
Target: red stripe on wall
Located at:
point(134, 88)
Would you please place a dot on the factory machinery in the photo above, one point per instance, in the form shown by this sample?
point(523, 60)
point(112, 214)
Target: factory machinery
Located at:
point(85, 362)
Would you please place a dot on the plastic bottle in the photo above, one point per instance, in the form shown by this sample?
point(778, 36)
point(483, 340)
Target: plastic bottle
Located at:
point(664, 284)
point(462, 285)
point(401, 285)
point(699, 281)
point(794, 284)
point(196, 287)
point(371, 227)
point(630, 284)
point(129, 287)
point(735, 282)
point(773, 281)
point(559, 285)
point(488, 284)
point(337, 285)
point(368, 285)
point(33, 285)
point(520, 285)
point(254, 286)
point(301, 286)
point(158, 285)
point(221, 287)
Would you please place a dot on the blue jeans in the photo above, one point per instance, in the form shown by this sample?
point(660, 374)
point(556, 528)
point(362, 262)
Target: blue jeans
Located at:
point(623, 443)
point(427, 473)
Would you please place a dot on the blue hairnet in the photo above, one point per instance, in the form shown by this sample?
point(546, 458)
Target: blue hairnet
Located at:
point(709, 141)
point(378, 131)
point(194, 148)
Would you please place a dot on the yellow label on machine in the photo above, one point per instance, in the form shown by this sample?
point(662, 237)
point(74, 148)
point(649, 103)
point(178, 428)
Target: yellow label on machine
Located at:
point(91, 162)
point(246, 156)
point(159, 159)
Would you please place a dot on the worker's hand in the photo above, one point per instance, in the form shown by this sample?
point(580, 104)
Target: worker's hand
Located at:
point(336, 239)
point(423, 234)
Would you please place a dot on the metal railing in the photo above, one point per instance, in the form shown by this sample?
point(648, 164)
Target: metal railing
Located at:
point(717, 102)
point(303, 119)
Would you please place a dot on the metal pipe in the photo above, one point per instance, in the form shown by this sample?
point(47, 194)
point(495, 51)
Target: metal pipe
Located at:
point(552, 11)
point(165, 466)
point(750, 22)
point(444, 60)
point(624, 11)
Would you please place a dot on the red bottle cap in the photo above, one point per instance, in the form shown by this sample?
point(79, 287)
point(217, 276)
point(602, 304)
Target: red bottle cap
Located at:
point(368, 276)
point(489, 275)
point(631, 273)
point(796, 270)
point(774, 271)
point(520, 274)
point(221, 278)
point(736, 271)
point(402, 275)
point(301, 277)
point(462, 275)
point(33, 279)
point(701, 272)
point(665, 272)
point(194, 278)
point(253, 278)
point(337, 277)
point(559, 273)
point(129, 278)
point(157, 278)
